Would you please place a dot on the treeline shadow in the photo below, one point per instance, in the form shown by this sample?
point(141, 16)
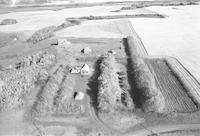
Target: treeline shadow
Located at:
point(93, 85)
point(134, 92)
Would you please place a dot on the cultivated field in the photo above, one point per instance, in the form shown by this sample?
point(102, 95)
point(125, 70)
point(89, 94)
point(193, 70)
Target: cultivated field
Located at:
point(176, 97)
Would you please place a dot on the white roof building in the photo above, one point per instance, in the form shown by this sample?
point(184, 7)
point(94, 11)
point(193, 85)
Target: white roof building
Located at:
point(85, 70)
point(113, 52)
point(79, 96)
point(75, 70)
point(63, 43)
point(86, 50)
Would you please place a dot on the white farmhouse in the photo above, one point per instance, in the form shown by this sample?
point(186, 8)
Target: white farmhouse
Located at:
point(85, 70)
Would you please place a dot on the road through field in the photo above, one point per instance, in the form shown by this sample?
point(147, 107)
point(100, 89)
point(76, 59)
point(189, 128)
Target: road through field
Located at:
point(103, 127)
point(163, 128)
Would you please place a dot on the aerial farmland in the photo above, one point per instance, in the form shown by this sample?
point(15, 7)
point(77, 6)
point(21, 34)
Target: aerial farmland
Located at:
point(99, 68)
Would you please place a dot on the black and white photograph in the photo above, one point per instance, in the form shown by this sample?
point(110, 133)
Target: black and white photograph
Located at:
point(99, 67)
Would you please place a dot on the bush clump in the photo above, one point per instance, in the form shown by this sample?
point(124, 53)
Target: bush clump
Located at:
point(73, 21)
point(8, 22)
point(42, 34)
point(63, 25)
point(42, 58)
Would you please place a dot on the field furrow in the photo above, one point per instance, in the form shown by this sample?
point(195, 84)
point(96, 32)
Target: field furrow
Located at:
point(175, 94)
point(188, 81)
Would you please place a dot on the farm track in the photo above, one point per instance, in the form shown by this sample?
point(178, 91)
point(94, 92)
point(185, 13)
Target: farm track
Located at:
point(176, 96)
point(163, 128)
point(137, 41)
point(93, 114)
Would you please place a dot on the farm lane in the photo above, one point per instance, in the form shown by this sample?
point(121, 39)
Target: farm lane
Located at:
point(163, 128)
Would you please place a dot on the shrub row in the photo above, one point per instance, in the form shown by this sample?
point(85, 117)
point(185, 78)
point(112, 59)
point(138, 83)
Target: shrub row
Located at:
point(142, 4)
point(45, 98)
point(108, 84)
point(149, 97)
point(8, 22)
point(42, 34)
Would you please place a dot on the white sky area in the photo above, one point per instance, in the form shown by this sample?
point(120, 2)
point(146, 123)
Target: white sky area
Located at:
point(177, 35)
point(93, 1)
point(57, 2)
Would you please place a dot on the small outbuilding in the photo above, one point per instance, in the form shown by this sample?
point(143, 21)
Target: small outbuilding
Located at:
point(9, 67)
point(86, 50)
point(85, 70)
point(75, 70)
point(78, 96)
point(113, 52)
point(63, 43)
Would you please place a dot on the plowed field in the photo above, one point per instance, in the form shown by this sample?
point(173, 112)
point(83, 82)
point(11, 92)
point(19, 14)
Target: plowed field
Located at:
point(175, 95)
